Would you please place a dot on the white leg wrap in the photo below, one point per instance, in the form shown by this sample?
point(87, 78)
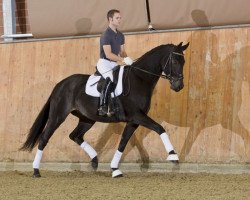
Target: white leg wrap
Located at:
point(89, 150)
point(167, 144)
point(116, 173)
point(37, 160)
point(116, 159)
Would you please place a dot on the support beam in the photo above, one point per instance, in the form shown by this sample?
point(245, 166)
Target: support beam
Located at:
point(9, 18)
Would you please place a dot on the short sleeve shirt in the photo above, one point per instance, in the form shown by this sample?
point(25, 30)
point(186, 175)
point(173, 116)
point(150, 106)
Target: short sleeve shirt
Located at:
point(112, 38)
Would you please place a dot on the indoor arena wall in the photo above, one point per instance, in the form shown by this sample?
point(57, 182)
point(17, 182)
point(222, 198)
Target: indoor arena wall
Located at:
point(208, 121)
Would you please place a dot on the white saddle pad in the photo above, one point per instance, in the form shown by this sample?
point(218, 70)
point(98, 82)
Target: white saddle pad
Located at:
point(91, 87)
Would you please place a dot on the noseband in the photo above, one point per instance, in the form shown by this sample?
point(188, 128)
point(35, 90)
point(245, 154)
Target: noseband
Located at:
point(170, 61)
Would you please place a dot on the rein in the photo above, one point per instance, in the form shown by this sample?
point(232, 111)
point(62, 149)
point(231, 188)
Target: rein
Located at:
point(148, 72)
point(168, 76)
point(161, 75)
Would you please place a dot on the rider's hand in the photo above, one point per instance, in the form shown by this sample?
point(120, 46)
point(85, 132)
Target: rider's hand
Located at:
point(128, 61)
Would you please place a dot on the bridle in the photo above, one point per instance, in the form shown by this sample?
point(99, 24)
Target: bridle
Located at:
point(169, 60)
point(167, 76)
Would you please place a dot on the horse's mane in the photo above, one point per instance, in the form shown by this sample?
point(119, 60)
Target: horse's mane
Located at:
point(152, 51)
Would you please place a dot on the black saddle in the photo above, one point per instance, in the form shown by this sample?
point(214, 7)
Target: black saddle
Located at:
point(102, 80)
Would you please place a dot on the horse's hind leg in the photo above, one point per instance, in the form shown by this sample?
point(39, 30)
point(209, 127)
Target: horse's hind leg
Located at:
point(77, 136)
point(126, 135)
point(46, 135)
point(56, 118)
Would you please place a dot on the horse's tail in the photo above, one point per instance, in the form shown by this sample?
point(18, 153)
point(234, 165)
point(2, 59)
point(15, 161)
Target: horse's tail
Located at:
point(37, 128)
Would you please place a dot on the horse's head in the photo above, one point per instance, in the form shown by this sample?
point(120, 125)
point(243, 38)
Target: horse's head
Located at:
point(172, 66)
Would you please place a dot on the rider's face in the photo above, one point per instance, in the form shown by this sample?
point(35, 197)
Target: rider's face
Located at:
point(116, 20)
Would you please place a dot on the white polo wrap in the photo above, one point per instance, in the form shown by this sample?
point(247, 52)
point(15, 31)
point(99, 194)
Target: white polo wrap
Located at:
point(116, 159)
point(89, 150)
point(37, 160)
point(167, 144)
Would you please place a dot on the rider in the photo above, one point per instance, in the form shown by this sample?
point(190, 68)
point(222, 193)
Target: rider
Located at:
point(112, 51)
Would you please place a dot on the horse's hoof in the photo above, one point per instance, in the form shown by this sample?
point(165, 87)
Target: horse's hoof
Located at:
point(175, 161)
point(36, 176)
point(173, 158)
point(118, 176)
point(117, 173)
point(94, 163)
point(36, 173)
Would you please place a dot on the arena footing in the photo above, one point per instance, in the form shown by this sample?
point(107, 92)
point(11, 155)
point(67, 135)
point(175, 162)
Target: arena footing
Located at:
point(134, 167)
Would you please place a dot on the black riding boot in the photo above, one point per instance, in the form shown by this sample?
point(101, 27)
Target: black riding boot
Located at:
point(105, 96)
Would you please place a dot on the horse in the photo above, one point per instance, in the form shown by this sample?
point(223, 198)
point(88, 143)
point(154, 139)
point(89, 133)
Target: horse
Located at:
point(68, 96)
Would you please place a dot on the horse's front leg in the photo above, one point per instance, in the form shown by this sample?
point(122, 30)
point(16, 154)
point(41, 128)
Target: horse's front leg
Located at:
point(126, 135)
point(144, 120)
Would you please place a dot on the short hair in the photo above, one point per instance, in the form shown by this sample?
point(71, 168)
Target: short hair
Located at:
point(111, 13)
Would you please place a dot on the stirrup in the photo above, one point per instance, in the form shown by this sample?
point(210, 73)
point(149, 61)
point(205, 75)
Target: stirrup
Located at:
point(102, 110)
point(113, 107)
point(110, 113)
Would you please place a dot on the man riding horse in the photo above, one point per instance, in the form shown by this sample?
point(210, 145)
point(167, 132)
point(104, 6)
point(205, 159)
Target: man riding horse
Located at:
point(164, 61)
point(112, 51)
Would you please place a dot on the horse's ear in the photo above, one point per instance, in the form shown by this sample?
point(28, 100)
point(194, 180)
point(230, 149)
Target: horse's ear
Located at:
point(185, 47)
point(180, 45)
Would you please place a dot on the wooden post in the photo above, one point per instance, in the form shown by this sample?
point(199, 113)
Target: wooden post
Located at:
point(9, 18)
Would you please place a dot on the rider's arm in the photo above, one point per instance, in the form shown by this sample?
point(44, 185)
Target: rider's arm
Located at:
point(127, 60)
point(110, 55)
point(123, 52)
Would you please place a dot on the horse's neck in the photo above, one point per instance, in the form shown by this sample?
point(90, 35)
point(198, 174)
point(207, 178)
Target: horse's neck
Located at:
point(148, 70)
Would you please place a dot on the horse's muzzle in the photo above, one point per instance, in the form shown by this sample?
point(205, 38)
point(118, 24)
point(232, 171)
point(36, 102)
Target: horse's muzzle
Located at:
point(177, 85)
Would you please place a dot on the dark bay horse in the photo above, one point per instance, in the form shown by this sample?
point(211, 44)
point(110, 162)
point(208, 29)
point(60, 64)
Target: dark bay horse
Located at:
point(69, 96)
